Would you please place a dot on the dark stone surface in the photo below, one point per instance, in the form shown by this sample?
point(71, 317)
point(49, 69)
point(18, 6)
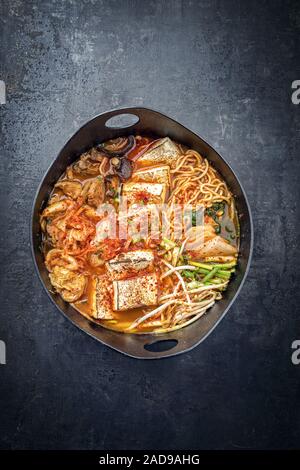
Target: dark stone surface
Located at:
point(225, 70)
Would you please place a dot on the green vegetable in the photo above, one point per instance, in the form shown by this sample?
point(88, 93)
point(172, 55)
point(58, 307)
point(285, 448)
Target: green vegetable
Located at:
point(231, 264)
point(194, 217)
point(201, 265)
point(212, 212)
point(188, 274)
point(217, 206)
point(211, 266)
point(211, 274)
point(214, 281)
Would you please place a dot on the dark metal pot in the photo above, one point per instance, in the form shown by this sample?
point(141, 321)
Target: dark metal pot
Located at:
point(144, 346)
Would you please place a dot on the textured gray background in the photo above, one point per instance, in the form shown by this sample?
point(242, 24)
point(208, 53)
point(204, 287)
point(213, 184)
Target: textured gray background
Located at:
point(224, 69)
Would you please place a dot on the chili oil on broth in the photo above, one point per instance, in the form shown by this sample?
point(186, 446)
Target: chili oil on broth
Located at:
point(186, 288)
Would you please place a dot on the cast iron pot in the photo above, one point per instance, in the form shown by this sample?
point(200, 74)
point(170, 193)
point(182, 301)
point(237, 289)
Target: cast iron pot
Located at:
point(143, 121)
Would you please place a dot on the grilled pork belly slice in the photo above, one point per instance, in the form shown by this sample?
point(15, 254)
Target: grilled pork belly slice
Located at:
point(157, 174)
point(135, 292)
point(129, 263)
point(144, 193)
point(163, 151)
point(101, 301)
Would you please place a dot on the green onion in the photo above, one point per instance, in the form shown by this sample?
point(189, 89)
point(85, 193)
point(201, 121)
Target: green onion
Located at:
point(214, 281)
point(224, 275)
point(189, 274)
point(225, 265)
point(202, 271)
point(202, 265)
point(210, 274)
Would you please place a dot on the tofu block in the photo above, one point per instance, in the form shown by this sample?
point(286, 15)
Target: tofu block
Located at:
point(156, 174)
point(144, 193)
point(128, 264)
point(135, 292)
point(102, 299)
point(164, 151)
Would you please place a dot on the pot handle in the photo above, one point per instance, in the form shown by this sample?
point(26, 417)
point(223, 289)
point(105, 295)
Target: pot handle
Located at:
point(122, 120)
point(129, 119)
point(150, 347)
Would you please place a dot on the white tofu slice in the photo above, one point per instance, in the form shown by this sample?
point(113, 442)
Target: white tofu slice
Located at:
point(164, 151)
point(135, 292)
point(102, 299)
point(147, 193)
point(130, 263)
point(156, 174)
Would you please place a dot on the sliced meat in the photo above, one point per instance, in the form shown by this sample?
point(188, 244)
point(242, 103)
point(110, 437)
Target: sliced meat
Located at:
point(157, 174)
point(135, 292)
point(128, 264)
point(101, 302)
point(163, 151)
point(144, 193)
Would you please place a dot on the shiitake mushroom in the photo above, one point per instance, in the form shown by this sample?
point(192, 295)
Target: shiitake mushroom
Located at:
point(121, 167)
point(125, 170)
point(117, 147)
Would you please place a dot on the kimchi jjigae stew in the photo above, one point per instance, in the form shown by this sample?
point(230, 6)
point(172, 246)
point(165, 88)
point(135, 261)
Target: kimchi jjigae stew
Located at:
point(140, 235)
